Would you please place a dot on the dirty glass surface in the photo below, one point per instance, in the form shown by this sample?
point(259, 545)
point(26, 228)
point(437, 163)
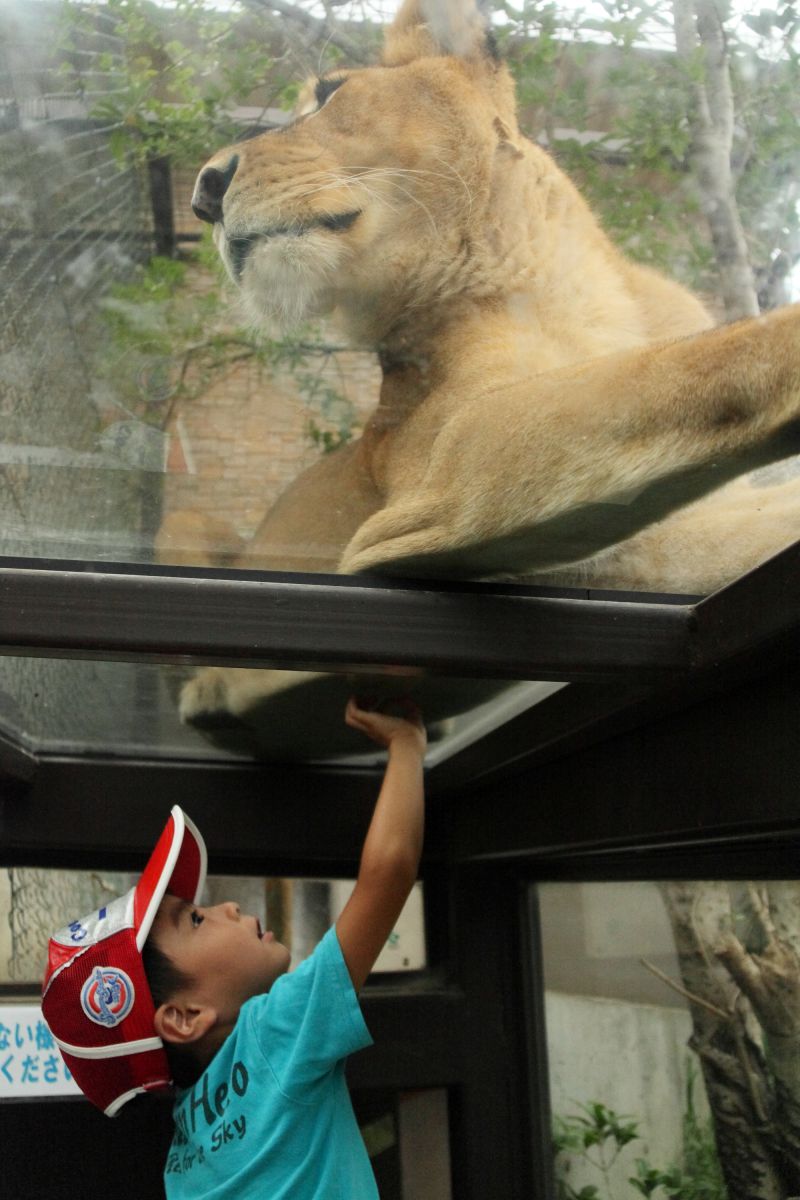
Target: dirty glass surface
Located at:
point(668, 1035)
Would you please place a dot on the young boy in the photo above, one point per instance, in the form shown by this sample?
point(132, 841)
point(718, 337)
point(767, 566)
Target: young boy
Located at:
point(155, 989)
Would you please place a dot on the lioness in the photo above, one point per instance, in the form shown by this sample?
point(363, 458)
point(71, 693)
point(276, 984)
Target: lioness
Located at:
point(544, 401)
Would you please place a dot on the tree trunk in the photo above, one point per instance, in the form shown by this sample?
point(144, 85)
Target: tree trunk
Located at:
point(700, 40)
point(733, 1065)
point(770, 979)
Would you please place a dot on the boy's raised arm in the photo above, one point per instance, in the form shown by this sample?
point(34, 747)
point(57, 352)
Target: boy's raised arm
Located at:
point(393, 845)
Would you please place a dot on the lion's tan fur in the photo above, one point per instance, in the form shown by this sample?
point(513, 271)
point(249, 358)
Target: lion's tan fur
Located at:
point(548, 409)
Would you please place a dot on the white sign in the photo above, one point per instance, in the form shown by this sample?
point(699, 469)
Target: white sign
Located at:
point(30, 1062)
point(405, 949)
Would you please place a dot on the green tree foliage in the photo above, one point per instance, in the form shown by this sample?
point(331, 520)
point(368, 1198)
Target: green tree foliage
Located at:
point(179, 71)
point(162, 343)
point(602, 85)
point(615, 104)
point(596, 1136)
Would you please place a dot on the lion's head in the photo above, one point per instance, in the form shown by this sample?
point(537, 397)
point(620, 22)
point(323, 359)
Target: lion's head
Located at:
point(378, 196)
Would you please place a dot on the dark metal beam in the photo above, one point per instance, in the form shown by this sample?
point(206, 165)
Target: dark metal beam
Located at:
point(583, 714)
point(256, 818)
point(316, 622)
point(759, 606)
point(94, 813)
point(573, 717)
point(492, 1118)
point(725, 770)
point(15, 761)
point(432, 1057)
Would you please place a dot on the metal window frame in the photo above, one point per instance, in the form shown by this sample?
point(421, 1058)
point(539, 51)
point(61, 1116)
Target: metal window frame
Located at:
point(629, 659)
point(180, 614)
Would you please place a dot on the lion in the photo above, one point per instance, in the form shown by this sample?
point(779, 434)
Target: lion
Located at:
point(549, 410)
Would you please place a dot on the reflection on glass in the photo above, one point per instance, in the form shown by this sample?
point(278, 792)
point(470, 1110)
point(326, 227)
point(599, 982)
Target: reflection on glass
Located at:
point(672, 1016)
point(145, 415)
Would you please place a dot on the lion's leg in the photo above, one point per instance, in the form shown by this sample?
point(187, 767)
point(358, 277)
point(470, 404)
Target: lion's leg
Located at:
point(266, 713)
point(306, 529)
point(315, 517)
point(217, 693)
point(194, 539)
point(701, 547)
point(531, 476)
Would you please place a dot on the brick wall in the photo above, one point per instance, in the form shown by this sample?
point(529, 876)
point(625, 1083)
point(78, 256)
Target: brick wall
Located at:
point(245, 437)
point(238, 441)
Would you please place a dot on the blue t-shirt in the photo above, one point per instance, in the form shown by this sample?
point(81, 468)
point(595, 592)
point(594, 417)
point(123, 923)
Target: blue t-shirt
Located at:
point(271, 1116)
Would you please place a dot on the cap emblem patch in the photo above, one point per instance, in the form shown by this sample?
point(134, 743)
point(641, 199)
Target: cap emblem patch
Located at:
point(107, 996)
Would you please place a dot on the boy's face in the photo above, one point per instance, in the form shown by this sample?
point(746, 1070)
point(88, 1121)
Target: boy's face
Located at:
point(226, 954)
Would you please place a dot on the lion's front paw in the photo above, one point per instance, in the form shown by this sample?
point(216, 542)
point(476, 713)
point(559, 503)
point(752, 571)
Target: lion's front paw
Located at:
point(204, 699)
point(218, 696)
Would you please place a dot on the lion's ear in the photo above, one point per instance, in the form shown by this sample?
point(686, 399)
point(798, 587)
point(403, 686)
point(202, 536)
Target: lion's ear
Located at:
point(504, 139)
point(425, 28)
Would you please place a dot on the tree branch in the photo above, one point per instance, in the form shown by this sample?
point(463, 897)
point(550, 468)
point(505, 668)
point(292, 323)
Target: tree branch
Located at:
point(682, 991)
point(324, 30)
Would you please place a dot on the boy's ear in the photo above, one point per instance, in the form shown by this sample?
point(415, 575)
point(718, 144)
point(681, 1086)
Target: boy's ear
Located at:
point(181, 1024)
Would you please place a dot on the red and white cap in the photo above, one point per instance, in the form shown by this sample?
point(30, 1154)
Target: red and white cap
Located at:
point(95, 996)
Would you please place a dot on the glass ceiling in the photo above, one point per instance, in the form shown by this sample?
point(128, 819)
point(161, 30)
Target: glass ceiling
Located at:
point(146, 419)
point(63, 707)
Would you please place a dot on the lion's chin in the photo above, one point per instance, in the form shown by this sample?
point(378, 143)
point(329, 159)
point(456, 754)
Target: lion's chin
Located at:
point(282, 309)
point(287, 282)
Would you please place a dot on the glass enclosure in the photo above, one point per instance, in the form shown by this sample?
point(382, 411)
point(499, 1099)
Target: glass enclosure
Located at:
point(172, 395)
point(155, 409)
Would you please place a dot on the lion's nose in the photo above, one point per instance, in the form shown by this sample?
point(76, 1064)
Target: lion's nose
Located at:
point(211, 186)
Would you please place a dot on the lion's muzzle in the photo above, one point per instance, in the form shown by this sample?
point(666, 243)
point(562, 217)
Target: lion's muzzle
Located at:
point(209, 191)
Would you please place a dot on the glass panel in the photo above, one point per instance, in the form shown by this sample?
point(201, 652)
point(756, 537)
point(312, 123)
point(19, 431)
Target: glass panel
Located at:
point(71, 706)
point(39, 900)
point(151, 410)
point(671, 1016)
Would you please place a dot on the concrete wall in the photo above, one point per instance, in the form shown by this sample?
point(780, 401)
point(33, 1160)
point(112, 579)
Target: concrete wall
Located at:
point(632, 1058)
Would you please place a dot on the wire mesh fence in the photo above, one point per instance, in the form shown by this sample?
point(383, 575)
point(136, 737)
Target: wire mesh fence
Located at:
point(74, 220)
point(80, 473)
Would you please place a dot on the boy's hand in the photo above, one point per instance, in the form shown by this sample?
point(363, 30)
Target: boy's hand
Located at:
point(385, 729)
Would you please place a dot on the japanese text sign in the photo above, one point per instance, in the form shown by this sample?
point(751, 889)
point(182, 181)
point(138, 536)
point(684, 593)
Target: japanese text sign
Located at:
point(30, 1063)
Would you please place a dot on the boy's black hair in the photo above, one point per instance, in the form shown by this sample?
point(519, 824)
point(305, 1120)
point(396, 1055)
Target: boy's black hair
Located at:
point(164, 980)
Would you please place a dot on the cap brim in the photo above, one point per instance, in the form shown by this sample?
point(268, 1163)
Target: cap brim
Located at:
point(177, 865)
